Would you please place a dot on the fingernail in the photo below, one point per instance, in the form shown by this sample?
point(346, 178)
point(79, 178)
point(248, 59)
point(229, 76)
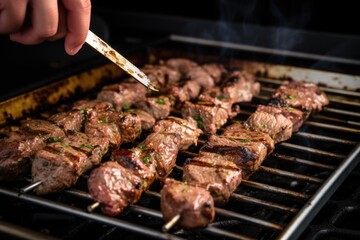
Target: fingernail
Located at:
point(75, 50)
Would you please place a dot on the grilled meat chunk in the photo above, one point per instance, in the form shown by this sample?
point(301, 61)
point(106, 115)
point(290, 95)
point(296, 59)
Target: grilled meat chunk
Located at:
point(240, 132)
point(130, 127)
point(240, 86)
point(186, 128)
point(275, 124)
point(123, 94)
point(139, 162)
point(298, 94)
point(161, 76)
point(208, 116)
point(214, 173)
point(158, 107)
point(19, 147)
point(194, 204)
point(202, 77)
point(163, 148)
point(72, 120)
point(217, 71)
point(244, 153)
point(146, 119)
point(114, 187)
point(182, 65)
point(184, 91)
point(294, 115)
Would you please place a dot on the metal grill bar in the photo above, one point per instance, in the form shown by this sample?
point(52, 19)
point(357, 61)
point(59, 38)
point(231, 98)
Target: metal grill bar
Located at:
point(311, 150)
point(324, 138)
point(220, 232)
point(303, 161)
point(290, 174)
point(328, 126)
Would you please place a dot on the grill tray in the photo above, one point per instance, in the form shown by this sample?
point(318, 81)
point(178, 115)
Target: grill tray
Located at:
point(277, 202)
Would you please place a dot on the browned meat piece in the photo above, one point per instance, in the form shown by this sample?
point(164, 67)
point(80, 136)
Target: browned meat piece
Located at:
point(240, 86)
point(72, 120)
point(185, 91)
point(240, 132)
point(208, 116)
point(294, 115)
point(94, 147)
point(161, 76)
point(19, 147)
point(194, 204)
point(163, 148)
point(139, 162)
point(181, 65)
point(298, 94)
point(108, 130)
point(130, 127)
point(114, 187)
point(220, 180)
point(147, 120)
point(186, 128)
point(216, 71)
point(246, 154)
point(122, 95)
point(215, 96)
point(201, 76)
point(86, 106)
point(275, 124)
point(57, 166)
point(159, 107)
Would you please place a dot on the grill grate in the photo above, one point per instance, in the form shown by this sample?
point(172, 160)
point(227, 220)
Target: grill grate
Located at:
point(277, 202)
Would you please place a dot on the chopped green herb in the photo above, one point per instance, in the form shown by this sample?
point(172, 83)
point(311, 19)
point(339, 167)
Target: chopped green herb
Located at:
point(199, 122)
point(147, 158)
point(126, 106)
point(289, 108)
point(86, 146)
point(291, 96)
point(103, 119)
point(53, 139)
point(143, 147)
point(245, 140)
point(264, 126)
point(160, 101)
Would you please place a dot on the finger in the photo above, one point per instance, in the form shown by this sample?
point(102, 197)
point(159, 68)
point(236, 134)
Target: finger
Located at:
point(12, 15)
point(62, 25)
point(44, 23)
point(78, 23)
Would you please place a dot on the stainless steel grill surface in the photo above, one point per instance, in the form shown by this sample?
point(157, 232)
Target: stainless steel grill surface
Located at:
point(277, 202)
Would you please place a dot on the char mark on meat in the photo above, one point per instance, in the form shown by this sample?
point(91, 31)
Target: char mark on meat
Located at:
point(146, 119)
point(159, 107)
point(194, 204)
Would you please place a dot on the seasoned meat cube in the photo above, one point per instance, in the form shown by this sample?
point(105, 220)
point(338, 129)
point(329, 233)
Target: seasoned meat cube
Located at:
point(185, 91)
point(130, 127)
point(94, 147)
point(208, 116)
point(57, 166)
point(19, 147)
point(215, 96)
point(72, 120)
point(244, 153)
point(147, 120)
point(216, 71)
point(201, 76)
point(218, 180)
point(95, 105)
point(159, 107)
point(240, 86)
point(114, 187)
point(123, 94)
point(181, 65)
point(298, 94)
point(240, 132)
point(161, 75)
point(294, 115)
point(164, 148)
point(194, 204)
point(139, 162)
point(275, 124)
point(110, 131)
point(186, 128)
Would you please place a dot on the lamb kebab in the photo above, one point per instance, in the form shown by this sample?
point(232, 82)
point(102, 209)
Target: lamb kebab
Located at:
point(137, 168)
point(229, 150)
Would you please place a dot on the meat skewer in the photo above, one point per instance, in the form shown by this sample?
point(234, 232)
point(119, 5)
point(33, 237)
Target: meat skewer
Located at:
point(224, 145)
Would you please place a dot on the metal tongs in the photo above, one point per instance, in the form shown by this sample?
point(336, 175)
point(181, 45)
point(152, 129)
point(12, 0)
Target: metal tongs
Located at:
point(110, 53)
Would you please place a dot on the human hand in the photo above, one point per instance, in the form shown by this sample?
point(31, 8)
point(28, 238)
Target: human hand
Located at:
point(33, 21)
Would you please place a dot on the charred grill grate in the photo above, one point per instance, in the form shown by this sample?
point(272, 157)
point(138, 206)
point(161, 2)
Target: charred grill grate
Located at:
point(290, 187)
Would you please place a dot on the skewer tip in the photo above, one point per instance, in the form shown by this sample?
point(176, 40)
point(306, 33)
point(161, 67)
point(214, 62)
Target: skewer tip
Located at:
point(151, 87)
point(30, 187)
point(93, 206)
point(166, 228)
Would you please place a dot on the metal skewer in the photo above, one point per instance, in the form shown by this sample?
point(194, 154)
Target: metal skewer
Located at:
point(93, 206)
point(30, 187)
point(171, 223)
point(110, 53)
